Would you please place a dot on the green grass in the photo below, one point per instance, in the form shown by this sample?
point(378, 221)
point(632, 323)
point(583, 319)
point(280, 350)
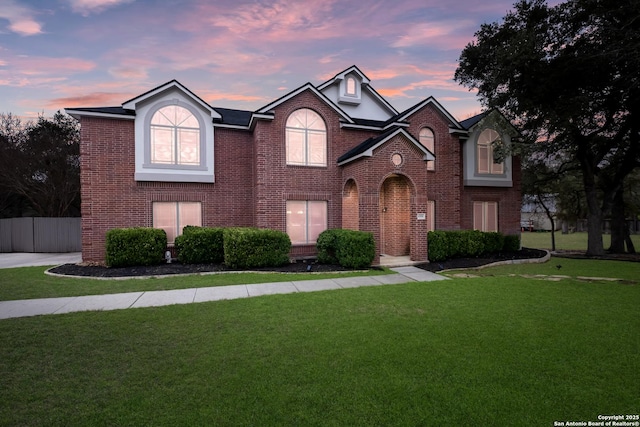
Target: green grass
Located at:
point(31, 282)
point(484, 351)
point(574, 268)
point(566, 242)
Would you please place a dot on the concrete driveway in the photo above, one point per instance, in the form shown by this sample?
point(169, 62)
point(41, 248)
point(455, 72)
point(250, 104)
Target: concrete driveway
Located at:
point(23, 259)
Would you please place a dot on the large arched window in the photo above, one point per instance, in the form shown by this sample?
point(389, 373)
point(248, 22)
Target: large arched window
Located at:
point(487, 164)
point(174, 137)
point(306, 136)
point(427, 139)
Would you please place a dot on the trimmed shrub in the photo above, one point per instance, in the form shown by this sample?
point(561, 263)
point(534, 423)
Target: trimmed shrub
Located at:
point(468, 243)
point(349, 248)
point(511, 243)
point(247, 247)
point(199, 245)
point(493, 241)
point(135, 246)
point(326, 245)
point(439, 248)
point(473, 243)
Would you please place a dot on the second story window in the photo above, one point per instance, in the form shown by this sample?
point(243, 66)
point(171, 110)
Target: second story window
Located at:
point(427, 139)
point(486, 161)
point(306, 139)
point(174, 137)
point(350, 89)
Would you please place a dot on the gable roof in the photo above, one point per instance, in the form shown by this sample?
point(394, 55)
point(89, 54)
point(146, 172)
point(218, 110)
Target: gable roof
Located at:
point(366, 84)
point(131, 104)
point(307, 86)
point(429, 101)
point(471, 122)
point(366, 148)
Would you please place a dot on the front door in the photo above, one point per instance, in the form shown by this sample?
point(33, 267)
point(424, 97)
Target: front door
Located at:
point(395, 216)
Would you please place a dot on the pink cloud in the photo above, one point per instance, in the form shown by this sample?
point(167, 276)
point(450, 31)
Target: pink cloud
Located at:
point(21, 19)
point(87, 7)
point(445, 34)
point(90, 99)
point(23, 70)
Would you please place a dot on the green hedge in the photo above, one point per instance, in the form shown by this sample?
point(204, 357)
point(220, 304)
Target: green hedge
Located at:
point(135, 246)
point(468, 243)
point(198, 245)
point(349, 248)
point(246, 247)
point(512, 243)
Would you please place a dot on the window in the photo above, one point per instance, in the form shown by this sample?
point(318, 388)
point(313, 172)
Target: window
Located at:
point(485, 216)
point(350, 88)
point(305, 221)
point(427, 139)
point(431, 215)
point(174, 137)
point(306, 137)
point(172, 217)
point(486, 159)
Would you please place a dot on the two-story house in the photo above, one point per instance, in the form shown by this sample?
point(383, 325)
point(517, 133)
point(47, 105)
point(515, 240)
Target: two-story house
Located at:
point(336, 155)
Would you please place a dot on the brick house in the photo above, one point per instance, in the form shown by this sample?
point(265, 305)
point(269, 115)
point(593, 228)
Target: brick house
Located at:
point(336, 155)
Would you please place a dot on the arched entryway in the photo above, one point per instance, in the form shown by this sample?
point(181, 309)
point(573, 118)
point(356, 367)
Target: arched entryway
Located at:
point(395, 216)
point(350, 206)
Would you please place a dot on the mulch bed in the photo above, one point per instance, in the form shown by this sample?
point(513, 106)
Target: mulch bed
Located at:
point(295, 267)
point(179, 268)
point(455, 263)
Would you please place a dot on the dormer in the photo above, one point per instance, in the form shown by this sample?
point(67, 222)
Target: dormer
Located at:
point(350, 89)
point(486, 153)
point(173, 135)
point(352, 92)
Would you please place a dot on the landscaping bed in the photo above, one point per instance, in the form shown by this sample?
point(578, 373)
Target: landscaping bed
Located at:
point(303, 266)
point(176, 267)
point(456, 263)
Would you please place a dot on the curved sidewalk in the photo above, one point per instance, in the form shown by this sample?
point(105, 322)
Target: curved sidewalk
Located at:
point(36, 307)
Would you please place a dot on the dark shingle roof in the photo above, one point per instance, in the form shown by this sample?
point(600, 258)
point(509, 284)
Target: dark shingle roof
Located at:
point(106, 110)
point(365, 145)
point(234, 117)
point(468, 123)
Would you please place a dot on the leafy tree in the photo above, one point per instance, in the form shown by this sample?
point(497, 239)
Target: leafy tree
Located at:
point(568, 76)
point(40, 165)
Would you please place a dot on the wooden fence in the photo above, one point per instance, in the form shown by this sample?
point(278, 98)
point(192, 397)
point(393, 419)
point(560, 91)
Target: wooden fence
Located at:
point(40, 235)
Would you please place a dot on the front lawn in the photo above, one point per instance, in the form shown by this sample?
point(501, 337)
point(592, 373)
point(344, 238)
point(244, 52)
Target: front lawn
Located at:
point(484, 351)
point(31, 282)
point(566, 242)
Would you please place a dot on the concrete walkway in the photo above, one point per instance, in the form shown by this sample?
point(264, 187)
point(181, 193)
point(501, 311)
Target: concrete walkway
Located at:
point(36, 307)
point(27, 259)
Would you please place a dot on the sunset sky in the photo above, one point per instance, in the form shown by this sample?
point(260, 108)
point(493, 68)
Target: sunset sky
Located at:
point(232, 53)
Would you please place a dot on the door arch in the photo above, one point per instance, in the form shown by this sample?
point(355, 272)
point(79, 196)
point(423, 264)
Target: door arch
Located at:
point(395, 216)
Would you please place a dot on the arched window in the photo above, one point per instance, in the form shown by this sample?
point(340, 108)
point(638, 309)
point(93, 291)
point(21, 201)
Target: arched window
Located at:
point(306, 139)
point(350, 87)
point(486, 160)
point(427, 139)
point(174, 136)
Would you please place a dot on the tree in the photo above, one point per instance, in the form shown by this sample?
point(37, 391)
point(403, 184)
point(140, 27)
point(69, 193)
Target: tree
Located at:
point(567, 76)
point(39, 165)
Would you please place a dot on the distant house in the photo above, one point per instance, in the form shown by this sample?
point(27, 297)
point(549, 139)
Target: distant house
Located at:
point(533, 215)
point(334, 155)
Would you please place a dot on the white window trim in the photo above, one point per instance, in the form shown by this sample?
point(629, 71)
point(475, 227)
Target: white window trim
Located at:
point(485, 226)
point(147, 171)
point(307, 132)
point(431, 165)
point(306, 230)
point(178, 230)
point(490, 158)
point(147, 140)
